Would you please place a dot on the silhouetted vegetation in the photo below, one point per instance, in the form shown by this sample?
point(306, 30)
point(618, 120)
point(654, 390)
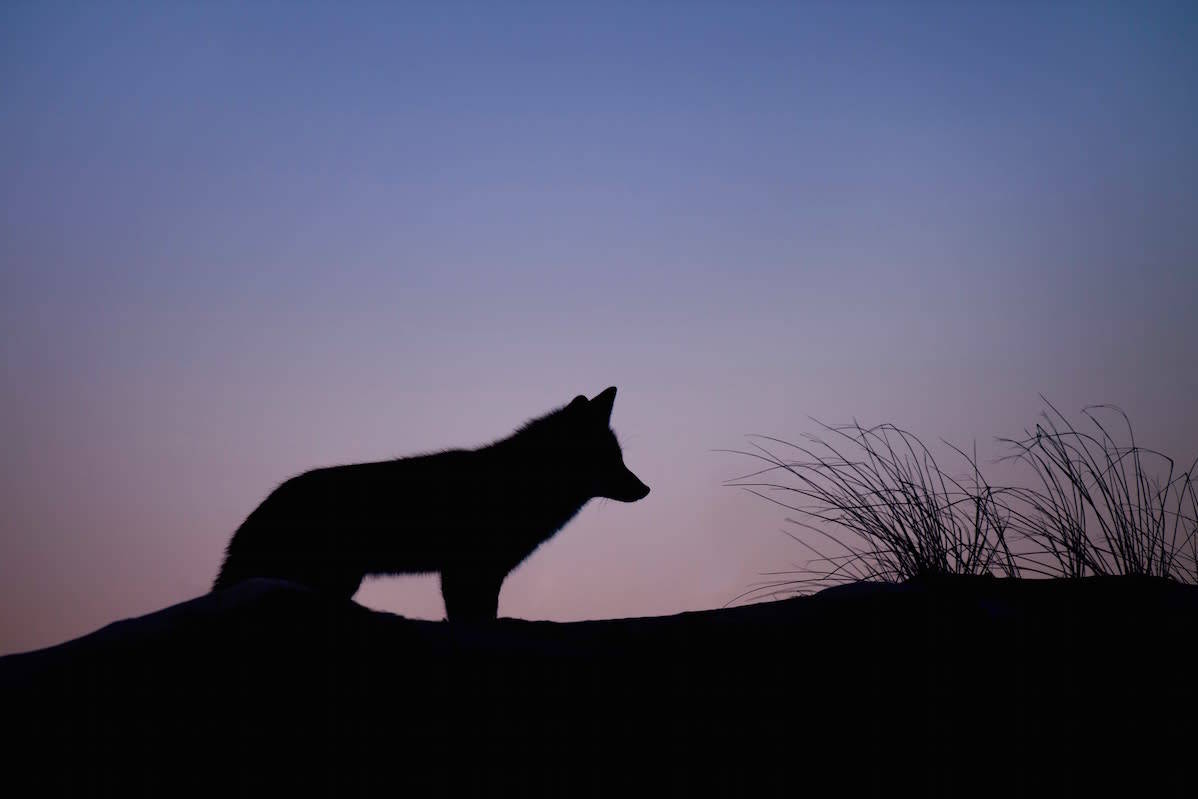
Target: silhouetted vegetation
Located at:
point(900, 514)
point(882, 507)
point(1105, 508)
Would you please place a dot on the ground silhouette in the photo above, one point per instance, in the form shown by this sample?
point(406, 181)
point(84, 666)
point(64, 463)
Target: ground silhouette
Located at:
point(948, 687)
point(470, 515)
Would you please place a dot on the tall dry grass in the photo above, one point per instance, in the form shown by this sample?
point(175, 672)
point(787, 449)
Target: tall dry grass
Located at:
point(874, 503)
point(880, 506)
point(1100, 506)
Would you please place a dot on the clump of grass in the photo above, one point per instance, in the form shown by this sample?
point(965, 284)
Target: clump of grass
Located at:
point(880, 498)
point(1101, 507)
point(897, 513)
point(1186, 564)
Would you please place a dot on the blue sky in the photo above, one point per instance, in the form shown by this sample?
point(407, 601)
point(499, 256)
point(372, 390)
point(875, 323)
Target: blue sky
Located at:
point(241, 240)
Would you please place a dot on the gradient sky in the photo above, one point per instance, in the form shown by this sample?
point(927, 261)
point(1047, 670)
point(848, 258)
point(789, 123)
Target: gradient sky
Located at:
point(237, 243)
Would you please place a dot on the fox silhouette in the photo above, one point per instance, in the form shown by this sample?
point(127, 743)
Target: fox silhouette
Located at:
point(472, 515)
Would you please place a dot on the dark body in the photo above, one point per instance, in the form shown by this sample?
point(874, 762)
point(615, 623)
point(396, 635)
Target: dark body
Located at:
point(470, 515)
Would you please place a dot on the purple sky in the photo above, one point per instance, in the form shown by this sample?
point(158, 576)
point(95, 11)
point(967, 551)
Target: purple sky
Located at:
point(237, 244)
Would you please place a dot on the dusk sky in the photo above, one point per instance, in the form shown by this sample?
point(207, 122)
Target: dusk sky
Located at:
point(239, 241)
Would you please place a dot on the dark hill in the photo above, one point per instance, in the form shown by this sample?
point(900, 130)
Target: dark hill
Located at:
point(951, 687)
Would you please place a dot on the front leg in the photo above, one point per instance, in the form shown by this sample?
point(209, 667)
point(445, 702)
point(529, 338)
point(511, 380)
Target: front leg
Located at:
point(470, 594)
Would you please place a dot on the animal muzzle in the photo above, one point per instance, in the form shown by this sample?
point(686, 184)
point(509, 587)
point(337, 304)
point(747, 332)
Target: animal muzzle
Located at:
point(627, 488)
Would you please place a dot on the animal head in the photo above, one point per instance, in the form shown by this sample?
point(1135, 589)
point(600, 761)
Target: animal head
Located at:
point(593, 452)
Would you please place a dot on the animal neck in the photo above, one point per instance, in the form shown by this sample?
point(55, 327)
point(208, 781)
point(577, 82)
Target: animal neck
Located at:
point(532, 480)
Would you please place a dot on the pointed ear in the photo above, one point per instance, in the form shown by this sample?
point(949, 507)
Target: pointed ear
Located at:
point(577, 404)
point(601, 404)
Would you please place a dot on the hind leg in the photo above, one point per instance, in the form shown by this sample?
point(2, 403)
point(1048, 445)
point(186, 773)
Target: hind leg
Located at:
point(332, 581)
point(344, 584)
point(471, 595)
